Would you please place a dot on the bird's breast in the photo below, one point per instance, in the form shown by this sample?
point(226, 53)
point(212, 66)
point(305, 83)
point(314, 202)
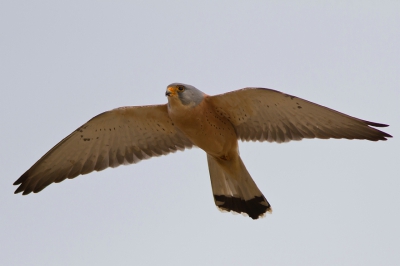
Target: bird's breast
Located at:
point(206, 128)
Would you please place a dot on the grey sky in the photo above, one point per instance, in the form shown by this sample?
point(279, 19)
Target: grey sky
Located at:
point(335, 202)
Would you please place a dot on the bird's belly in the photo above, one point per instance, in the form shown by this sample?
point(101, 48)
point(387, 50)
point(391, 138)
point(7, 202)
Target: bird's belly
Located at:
point(210, 132)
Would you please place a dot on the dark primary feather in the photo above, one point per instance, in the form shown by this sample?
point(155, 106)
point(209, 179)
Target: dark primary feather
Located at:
point(121, 136)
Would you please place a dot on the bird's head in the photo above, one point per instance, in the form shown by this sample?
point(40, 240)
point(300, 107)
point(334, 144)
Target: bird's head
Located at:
point(185, 94)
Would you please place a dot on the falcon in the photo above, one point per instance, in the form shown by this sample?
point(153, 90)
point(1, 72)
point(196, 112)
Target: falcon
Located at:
point(192, 118)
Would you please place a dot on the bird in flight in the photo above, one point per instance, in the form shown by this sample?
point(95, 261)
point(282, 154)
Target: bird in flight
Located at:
point(192, 118)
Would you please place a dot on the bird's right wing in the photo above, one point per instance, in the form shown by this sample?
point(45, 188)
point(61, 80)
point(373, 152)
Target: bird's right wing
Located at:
point(124, 135)
point(260, 114)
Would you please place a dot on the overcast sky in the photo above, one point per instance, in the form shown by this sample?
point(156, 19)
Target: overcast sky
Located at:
point(335, 202)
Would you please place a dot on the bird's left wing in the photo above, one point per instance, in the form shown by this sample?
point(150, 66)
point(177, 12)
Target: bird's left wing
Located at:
point(265, 114)
point(124, 135)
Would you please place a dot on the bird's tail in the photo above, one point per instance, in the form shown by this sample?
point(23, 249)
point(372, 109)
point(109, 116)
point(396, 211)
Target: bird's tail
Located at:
point(234, 189)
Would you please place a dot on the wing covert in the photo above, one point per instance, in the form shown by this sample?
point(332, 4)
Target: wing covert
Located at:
point(124, 135)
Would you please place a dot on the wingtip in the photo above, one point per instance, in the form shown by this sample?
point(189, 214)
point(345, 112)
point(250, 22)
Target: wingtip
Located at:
point(381, 135)
point(18, 181)
point(375, 124)
point(18, 190)
point(385, 135)
point(26, 193)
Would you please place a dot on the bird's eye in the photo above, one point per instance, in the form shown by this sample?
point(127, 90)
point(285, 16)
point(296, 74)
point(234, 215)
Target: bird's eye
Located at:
point(181, 88)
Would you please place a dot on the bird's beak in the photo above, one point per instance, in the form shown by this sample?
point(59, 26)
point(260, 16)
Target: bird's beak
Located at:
point(171, 91)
